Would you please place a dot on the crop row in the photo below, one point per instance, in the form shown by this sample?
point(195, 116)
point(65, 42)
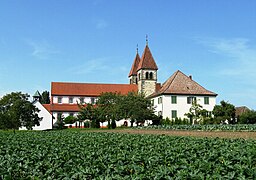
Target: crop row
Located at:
point(214, 127)
point(84, 155)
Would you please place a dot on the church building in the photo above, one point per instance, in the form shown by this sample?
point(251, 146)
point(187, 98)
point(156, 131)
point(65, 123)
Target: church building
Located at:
point(171, 99)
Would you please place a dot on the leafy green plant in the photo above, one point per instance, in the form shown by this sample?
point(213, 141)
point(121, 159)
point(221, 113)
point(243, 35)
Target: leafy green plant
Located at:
point(85, 155)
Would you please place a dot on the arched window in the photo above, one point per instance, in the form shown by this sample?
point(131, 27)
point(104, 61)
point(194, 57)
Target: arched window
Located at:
point(146, 75)
point(150, 75)
point(136, 80)
point(139, 76)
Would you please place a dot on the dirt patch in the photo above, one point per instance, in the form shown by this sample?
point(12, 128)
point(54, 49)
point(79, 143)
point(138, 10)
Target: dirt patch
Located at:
point(220, 134)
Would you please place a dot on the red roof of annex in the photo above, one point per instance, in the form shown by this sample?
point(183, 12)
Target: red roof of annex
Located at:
point(89, 89)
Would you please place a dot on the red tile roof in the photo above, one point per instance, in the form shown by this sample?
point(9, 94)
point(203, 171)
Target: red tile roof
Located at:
point(89, 89)
point(64, 108)
point(135, 64)
point(179, 83)
point(147, 61)
point(47, 107)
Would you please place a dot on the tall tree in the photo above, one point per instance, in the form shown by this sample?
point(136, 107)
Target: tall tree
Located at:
point(225, 111)
point(109, 107)
point(91, 112)
point(248, 117)
point(45, 98)
point(16, 111)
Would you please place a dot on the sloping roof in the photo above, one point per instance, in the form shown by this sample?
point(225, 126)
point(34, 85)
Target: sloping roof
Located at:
point(135, 64)
point(147, 61)
point(179, 83)
point(89, 89)
point(47, 107)
point(37, 94)
point(64, 108)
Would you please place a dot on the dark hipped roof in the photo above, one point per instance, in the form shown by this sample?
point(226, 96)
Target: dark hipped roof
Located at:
point(147, 61)
point(135, 64)
point(179, 83)
point(90, 89)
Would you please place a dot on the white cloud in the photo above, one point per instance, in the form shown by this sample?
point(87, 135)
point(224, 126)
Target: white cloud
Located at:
point(42, 49)
point(238, 51)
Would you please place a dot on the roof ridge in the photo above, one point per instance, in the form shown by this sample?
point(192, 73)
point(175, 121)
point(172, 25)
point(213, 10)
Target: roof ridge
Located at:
point(175, 74)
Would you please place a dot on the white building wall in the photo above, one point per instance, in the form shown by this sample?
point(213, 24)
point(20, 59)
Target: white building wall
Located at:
point(65, 99)
point(182, 107)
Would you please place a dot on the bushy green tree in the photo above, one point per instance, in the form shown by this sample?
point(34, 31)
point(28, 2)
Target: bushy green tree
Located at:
point(70, 120)
point(138, 108)
point(17, 111)
point(45, 98)
point(225, 111)
point(91, 112)
point(248, 117)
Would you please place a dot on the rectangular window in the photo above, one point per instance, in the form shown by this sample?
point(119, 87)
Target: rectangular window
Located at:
point(174, 99)
point(206, 100)
point(59, 100)
point(70, 100)
point(71, 114)
point(191, 99)
point(160, 100)
point(81, 100)
point(174, 113)
point(93, 100)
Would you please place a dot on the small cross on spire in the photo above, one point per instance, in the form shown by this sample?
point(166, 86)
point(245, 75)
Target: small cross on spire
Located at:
point(137, 49)
point(146, 39)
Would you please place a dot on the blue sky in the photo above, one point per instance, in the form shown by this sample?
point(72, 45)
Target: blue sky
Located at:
point(95, 41)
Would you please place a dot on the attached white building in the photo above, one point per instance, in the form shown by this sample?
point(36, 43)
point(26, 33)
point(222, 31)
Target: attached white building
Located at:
point(175, 97)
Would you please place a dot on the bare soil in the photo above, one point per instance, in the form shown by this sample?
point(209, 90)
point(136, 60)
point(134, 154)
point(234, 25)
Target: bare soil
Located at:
point(212, 134)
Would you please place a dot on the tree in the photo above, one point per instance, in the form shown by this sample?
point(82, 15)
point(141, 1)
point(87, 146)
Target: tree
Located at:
point(90, 112)
point(45, 98)
point(16, 111)
point(248, 117)
point(134, 106)
point(225, 111)
point(138, 108)
point(195, 113)
point(109, 107)
point(70, 120)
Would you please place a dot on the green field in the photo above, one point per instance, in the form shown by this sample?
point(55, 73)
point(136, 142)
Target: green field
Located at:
point(88, 155)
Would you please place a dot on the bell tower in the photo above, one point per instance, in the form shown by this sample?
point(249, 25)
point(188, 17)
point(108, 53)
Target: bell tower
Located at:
point(147, 72)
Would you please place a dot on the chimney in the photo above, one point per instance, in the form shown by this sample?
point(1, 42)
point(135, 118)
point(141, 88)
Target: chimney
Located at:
point(190, 77)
